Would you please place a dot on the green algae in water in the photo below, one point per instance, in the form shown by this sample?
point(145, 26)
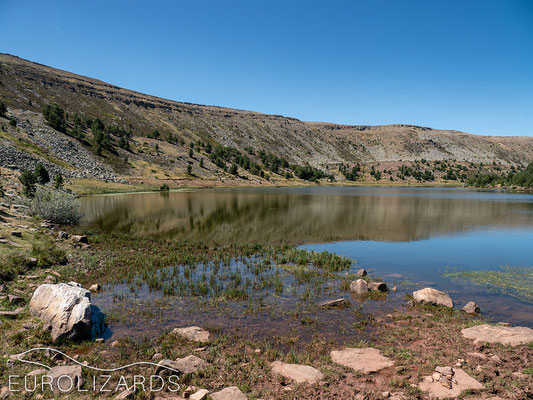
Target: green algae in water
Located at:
point(511, 281)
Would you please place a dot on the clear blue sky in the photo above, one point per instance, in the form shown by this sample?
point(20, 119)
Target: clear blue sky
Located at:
point(451, 64)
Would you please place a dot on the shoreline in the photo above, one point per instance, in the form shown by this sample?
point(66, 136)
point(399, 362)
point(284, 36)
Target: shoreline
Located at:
point(416, 338)
point(78, 187)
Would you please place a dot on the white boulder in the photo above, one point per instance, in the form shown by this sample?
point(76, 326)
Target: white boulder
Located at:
point(432, 296)
point(67, 312)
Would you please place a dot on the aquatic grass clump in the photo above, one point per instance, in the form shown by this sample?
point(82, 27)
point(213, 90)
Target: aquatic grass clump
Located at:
point(511, 281)
point(326, 260)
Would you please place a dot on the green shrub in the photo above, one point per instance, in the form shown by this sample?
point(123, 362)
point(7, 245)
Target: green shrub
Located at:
point(56, 206)
point(41, 174)
point(3, 109)
point(55, 116)
point(28, 180)
point(58, 181)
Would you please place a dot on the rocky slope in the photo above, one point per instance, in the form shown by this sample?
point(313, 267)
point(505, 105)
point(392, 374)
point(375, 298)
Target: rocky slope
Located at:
point(26, 88)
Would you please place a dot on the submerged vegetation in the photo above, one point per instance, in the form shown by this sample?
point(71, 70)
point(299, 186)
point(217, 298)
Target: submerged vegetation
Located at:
point(512, 281)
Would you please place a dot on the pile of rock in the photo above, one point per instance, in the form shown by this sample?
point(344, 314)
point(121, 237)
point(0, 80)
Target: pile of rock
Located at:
point(448, 382)
point(361, 287)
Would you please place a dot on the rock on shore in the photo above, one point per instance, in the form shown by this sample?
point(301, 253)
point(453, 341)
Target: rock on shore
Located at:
point(433, 296)
point(513, 336)
point(364, 360)
point(298, 373)
point(67, 311)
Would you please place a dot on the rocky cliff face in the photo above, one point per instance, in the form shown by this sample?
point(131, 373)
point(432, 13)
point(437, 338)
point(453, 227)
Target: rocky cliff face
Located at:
point(27, 87)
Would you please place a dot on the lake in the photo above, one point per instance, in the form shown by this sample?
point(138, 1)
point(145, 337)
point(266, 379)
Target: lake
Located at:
point(408, 236)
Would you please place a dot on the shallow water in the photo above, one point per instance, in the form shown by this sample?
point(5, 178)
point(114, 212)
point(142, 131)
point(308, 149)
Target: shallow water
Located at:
point(408, 236)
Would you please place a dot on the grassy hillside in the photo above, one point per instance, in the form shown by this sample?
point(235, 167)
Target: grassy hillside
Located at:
point(114, 134)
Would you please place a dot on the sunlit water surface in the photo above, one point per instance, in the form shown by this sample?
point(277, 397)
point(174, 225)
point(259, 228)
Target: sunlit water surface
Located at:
point(408, 236)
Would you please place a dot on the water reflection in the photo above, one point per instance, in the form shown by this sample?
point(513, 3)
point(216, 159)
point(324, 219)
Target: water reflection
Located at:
point(309, 215)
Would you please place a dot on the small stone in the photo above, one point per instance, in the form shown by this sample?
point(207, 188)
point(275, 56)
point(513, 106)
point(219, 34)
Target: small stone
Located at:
point(377, 286)
point(296, 372)
point(187, 392)
point(337, 303)
point(257, 351)
point(100, 340)
point(496, 359)
point(194, 333)
point(4, 392)
point(59, 384)
point(446, 371)
point(95, 288)
point(62, 235)
point(359, 287)
point(471, 308)
point(200, 394)
point(36, 372)
point(115, 343)
point(15, 299)
point(190, 364)
point(385, 394)
point(12, 314)
point(157, 357)
point(436, 376)
point(361, 272)
point(126, 394)
point(446, 382)
point(481, 356)
point(80, 239)
point(229, 393)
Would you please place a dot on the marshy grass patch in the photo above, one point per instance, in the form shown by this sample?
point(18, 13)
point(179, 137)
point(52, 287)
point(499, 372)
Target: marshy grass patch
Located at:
point(511, 281)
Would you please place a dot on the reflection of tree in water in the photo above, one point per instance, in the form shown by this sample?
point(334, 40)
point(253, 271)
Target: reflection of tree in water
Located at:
point(255, 216)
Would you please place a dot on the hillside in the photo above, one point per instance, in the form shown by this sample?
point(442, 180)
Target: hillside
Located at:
point(179, 151)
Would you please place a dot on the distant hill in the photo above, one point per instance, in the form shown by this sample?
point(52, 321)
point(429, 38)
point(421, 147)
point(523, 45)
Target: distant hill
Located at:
point(26, 88)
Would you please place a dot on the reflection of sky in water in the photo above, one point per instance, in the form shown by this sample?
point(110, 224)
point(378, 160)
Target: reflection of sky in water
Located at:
point(422, 262)
point(425, 259)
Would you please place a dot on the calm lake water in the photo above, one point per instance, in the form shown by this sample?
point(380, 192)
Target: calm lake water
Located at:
point(409, 236)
